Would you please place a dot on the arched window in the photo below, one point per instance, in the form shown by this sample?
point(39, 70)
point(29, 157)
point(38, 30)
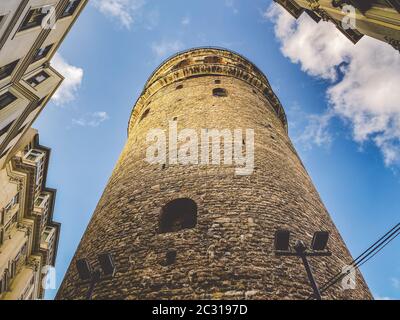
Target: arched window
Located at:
point(220, 92)
point(179, 214)
point(179, 87)
point(144, 115)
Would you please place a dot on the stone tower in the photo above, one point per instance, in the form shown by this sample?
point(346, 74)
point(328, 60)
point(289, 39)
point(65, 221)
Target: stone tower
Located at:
point(200, 231)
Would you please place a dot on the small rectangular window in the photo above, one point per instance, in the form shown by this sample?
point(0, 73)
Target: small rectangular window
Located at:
point(70, 8)
point(38, 78)
point(42, 53)
point(8, 69)
point(33, 19)
point(6, 99)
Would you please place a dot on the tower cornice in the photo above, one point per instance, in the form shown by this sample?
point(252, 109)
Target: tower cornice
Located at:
point(207, 61)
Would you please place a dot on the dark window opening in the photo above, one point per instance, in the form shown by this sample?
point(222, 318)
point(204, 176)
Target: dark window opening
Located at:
point(217, 81)
point(170, 258)
point(71, 7)
point(220, 92)
point(38, 78)
point(179, 87)
point(182, 64)
point(33, 18)
point(175, 118)
point(145, 114)
point(6, 99)
point(8, 69)
point(42, 53)
point(178, 215)
point(212, 59)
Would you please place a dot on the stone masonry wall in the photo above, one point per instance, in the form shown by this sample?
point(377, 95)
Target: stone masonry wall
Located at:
point(229, 253)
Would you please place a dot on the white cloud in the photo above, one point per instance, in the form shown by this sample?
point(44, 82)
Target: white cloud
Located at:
point(91, 119)
point(231, 4)
point(122, 10)
point(186, 21)
point(152, 19)
point(382, 298)
point(165, 48)
point(364, 77)
point(73, 79)
point(396, 283)
point(316, 131)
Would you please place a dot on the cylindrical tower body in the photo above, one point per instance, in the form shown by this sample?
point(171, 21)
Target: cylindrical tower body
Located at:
point(202, 231)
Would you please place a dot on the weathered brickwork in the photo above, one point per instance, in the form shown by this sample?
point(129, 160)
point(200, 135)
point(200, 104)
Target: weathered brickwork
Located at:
point(229, 253)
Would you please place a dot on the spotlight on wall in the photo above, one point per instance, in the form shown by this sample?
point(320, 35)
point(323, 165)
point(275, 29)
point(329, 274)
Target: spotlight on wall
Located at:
point(106, 264)
point(320, 240)
point(282, 240)
point(318, 249)
point(84, 269)
point(91, 276)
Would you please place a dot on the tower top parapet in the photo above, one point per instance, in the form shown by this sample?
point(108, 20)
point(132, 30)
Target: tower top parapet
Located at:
point(205, 61)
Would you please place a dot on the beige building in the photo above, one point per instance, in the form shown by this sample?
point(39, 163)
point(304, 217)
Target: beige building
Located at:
point(28, 235)
point(28, 40)
point(30, 33)
point(379, 19)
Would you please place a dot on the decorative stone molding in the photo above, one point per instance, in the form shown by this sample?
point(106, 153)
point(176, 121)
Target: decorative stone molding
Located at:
point(203, 62)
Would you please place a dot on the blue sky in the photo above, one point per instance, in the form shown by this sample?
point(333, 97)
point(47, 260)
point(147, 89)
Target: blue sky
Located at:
point(342, 119)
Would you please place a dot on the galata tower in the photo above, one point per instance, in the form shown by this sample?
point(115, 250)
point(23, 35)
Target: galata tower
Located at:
point(206, 229)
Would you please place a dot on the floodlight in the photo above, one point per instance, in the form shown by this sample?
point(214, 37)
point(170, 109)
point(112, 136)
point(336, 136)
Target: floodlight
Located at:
point(106, 264)
point(320, 240)
point(282, 240)
point(84, 269)
point(300, 247)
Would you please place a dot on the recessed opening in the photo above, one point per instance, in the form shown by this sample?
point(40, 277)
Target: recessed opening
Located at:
point(170, 257)
point(145, 114)
point(212, 59)
point(182, 64)
point(217, 81)
point(179, 87)
point(178, 214)
point(175, 118)
point(220, 92)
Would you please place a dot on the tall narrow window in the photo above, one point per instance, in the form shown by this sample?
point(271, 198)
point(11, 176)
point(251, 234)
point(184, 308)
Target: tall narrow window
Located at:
point(33, 19)
point(6, 99)
point(38, 78)
point(70, 8)
point(178, 215)
point(42, 53)
point(8, 69)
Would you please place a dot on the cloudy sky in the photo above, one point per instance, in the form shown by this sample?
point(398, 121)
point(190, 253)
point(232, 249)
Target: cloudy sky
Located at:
point(341, 101)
